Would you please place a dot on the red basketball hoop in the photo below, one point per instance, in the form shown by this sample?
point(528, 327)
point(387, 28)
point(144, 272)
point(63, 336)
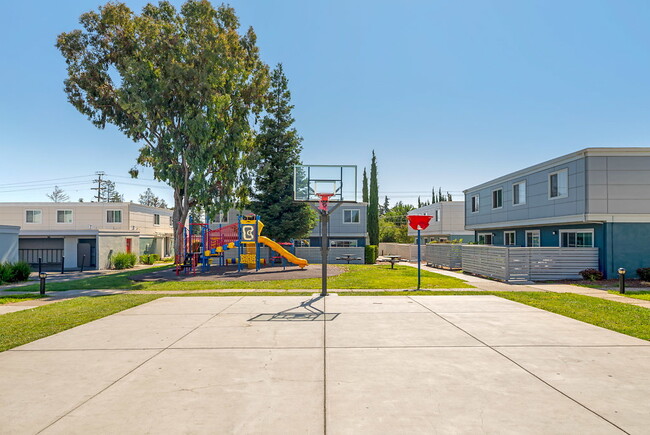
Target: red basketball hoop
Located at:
point(323, 200)
point(419, 222)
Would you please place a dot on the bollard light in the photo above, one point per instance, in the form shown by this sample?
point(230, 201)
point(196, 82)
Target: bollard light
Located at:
point(42, 277)
point(621, 280)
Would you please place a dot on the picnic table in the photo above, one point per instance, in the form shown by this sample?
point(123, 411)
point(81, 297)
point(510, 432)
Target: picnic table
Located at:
point(348, 258)
point(393, 259)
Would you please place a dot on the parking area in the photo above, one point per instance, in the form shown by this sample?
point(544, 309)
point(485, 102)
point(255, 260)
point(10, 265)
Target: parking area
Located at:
point(341, 364)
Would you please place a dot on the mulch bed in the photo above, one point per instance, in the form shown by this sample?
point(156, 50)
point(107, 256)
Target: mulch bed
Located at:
point(229, 273)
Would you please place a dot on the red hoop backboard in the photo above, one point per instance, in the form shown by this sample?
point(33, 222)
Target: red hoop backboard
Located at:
point(418, 221)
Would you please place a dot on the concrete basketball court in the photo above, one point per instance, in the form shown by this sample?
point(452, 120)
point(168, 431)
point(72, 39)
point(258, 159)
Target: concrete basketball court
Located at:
point(344, 364)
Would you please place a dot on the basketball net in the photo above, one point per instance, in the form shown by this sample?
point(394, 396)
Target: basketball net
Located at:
point(324, 199)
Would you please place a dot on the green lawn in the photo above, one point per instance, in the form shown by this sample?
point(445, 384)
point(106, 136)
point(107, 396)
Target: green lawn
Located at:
point(357, 277)
point(29, 325)
point(10, 299)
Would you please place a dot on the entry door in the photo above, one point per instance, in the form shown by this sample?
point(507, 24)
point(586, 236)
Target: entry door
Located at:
point(128, 246)
point(83, 254)
point(533, 239)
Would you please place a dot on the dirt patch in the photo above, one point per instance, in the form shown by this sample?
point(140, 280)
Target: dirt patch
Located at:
point(230, 273)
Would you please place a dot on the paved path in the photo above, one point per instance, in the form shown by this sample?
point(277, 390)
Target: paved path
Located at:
point(389, 364)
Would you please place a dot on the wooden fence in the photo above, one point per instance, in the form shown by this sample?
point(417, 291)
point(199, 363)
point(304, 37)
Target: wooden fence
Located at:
point(527, 264)
point(444, 255)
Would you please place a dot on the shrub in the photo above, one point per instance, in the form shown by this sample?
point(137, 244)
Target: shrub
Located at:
point(144, 259)
point(149, 258)
point(122, 260)
point(592, 274)
point(644, 273)
point(6, 273)
point(21, 271)
point(371, 254)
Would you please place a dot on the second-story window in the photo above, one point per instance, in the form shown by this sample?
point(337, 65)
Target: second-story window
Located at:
point(519, 193)
point(474, 203)
point(497, 198)
point(438, 215)
point(558, 184)
point(33, 216)
point(156, 219)
point(351, 216)
point(114, 216)
point(171, 221)
point(64, 216)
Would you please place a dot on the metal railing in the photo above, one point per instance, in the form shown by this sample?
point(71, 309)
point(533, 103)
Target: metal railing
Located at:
point(47, 256)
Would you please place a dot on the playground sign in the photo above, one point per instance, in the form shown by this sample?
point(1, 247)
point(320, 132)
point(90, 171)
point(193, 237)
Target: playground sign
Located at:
point(419, 222)
point(248, 233)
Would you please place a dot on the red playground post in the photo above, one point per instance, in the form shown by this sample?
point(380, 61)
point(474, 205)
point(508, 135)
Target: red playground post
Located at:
point(419, 222)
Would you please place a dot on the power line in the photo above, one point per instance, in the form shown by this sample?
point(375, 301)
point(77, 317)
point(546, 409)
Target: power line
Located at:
point(27, 183)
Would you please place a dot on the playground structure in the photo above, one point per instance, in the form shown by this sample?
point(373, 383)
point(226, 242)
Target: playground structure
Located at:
point(206, 246)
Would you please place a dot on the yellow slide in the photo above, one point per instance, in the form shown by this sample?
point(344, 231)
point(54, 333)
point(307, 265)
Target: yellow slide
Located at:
point(280, 250)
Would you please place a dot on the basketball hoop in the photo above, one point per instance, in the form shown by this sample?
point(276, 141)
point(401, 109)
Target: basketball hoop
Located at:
point(323, 200)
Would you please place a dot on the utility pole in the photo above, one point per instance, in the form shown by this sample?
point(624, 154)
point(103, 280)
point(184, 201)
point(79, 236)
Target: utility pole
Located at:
point(99, 180)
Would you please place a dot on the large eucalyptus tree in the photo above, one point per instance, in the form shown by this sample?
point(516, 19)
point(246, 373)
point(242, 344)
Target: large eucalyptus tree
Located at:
point(184, 85)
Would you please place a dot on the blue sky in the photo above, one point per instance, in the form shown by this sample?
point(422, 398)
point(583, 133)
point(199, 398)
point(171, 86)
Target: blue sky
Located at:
point(449, 93)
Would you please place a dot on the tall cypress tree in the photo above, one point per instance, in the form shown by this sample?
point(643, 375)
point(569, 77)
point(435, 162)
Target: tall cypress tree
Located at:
point(279, 150)
point(364, 192)
point(373, 206)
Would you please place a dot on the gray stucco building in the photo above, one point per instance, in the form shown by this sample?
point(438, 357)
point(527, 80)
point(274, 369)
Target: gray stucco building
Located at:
point(595, 197)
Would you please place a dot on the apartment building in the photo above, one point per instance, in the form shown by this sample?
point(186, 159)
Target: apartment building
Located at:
point(76, 233)
point(595, 197)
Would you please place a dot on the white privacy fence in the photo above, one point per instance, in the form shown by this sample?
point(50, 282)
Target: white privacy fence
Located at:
point(445, 255)
point(406, 251)
point(313, 255)
point(527, 264)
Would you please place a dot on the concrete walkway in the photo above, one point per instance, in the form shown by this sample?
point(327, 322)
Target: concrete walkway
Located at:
point(490, 285)
point(389, 364)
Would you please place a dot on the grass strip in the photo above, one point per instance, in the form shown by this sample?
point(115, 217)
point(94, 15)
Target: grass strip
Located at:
point(118, 280)
point(10, 299)
point(355, 277)
point(644, 294)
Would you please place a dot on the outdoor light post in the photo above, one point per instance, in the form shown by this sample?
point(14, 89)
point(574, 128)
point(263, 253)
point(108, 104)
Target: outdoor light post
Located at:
point(621, 280)
point(42, 276)
point(419, 222)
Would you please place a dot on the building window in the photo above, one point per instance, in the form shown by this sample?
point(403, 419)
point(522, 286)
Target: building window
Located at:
point(343, 243)
point(156, 219)
point(221, 218)
point(509, 238)
point(475, 204)
point(64, 216)
point(558, 184)
point(519, 193)
point(497, 198)
point(114, 216)
point(33, 216)
point(484, 238)
point(351, 216)
point(171, 221)
point(577, 238)
point(533, 239)
point(438, 215)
